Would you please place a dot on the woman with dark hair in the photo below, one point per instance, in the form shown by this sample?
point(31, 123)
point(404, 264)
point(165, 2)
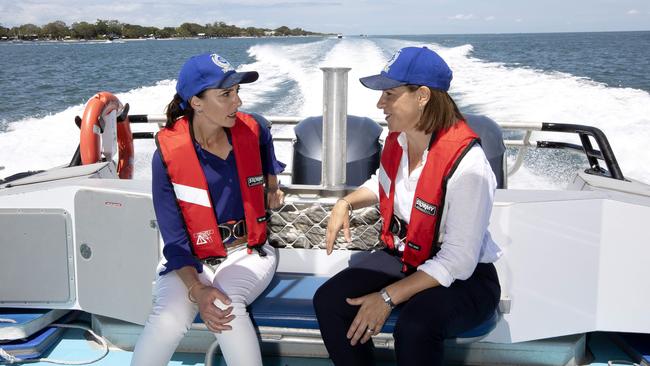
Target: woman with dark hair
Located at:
point(435, 190)
point(211, 174)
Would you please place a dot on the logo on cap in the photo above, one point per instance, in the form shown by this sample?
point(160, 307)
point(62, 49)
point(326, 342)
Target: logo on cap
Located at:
point(392, 61)
point(221, 62)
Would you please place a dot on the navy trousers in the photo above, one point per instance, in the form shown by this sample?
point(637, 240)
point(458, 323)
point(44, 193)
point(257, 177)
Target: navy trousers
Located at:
point(425, 321)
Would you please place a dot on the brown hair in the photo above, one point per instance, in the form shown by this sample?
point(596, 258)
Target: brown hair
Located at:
point(440, 112)
point(174, 110)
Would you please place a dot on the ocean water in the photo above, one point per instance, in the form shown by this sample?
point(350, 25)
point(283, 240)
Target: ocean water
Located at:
point(599, 79)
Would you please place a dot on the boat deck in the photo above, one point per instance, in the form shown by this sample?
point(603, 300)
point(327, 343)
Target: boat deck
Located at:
point(601, 346)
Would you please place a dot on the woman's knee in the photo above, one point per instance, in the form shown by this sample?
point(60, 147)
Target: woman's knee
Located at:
point(169, 322)
point(323, 297)
point(411, 326)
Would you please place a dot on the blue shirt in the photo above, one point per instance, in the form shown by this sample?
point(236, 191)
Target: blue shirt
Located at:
point(223, 184)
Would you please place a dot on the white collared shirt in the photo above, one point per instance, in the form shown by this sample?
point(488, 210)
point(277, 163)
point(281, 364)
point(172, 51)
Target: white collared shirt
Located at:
point(464, 233)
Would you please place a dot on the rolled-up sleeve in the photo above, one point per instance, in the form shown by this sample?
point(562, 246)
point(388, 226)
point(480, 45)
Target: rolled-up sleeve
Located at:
point(468, 205)
point(372, 184)
point(176, 247)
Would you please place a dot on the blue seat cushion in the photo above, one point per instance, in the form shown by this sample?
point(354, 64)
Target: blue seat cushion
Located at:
point(19, 323)
point(287, 303)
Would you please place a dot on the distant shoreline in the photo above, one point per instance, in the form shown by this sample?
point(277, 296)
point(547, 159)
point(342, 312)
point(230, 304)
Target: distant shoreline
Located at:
point(124, 40)
point(107, 30)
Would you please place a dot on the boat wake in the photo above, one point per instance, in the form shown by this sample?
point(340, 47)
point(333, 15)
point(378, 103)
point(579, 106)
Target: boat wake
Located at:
point(290, 85)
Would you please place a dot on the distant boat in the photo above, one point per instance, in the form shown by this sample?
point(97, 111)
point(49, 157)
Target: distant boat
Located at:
point(339, 36)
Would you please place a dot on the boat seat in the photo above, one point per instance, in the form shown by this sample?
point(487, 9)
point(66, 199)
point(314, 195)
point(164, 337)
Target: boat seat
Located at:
point(27, 333)
point(287, 303)
point(492, 144)
point(17, 323)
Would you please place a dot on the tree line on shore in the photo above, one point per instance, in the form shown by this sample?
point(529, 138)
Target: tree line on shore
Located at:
point(113, 29)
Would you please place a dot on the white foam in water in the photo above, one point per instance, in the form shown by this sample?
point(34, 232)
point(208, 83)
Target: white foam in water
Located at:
point(519, 94)
point(42, 143)
point(364, 58)
point(527, 95)
point(290, 84)
point(39, 143)
point(147, 100)
point(281, 64)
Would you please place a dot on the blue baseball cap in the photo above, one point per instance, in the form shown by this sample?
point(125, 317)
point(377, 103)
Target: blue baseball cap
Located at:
point(412, 66)
point(209, 71)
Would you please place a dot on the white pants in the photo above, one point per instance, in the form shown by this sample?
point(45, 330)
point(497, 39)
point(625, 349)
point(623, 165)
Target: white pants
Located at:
point(242, 277)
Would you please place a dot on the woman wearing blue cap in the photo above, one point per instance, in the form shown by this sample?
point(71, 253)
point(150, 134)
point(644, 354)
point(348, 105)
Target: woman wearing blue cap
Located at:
point(435, 191)
point(212, 171)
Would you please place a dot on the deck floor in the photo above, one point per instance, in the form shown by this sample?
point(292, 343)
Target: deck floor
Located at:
point(75, 347)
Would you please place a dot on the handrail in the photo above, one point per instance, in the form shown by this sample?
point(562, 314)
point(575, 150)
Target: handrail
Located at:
point(606, 154)
point(522, 145)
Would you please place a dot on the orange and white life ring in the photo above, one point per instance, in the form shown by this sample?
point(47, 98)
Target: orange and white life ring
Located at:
point(101, 132)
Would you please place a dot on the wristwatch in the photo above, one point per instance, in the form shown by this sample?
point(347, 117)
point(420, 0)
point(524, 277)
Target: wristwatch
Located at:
point(384, 294)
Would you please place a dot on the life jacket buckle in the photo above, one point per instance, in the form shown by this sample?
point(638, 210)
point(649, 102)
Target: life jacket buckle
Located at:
point(213, 261)
point(398, 227)
point(232, 230)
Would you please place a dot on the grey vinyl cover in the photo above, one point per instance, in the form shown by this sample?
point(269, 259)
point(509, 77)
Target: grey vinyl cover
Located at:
point(120, 230)
point(36, 259)
point(97, 170)
point(492, 144)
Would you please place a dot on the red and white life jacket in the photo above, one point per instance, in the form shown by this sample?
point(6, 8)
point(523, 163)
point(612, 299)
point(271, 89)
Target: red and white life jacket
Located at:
point(446, 151)
point(191, 187)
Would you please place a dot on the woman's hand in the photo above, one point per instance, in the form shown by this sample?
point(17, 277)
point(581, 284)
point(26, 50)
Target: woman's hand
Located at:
point(370, 318)
point(214, 318)
point(339, 218)
point(274, 198)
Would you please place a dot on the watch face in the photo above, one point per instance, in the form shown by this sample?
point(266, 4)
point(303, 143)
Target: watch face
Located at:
point(386, 297)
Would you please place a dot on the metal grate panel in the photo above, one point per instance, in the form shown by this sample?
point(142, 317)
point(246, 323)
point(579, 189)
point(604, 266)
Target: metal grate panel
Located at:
point(302, 223)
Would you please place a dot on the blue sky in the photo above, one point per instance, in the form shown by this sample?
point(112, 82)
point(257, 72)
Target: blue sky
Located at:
point(350, 16)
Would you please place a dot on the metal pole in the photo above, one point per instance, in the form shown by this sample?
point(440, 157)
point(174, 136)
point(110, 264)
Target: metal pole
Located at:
point(335, 111)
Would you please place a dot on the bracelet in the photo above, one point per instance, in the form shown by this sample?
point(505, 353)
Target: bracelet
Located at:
point(189, 291)
point(350, 209)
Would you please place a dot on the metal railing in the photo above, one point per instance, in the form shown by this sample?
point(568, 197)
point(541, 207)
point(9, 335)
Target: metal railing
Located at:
point(521, 145)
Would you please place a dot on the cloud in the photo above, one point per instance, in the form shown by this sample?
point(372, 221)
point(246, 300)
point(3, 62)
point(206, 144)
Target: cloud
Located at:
point(489, 18)
point(519, 20)
point(282, 4)
point(462, 17)
point(632, 12)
